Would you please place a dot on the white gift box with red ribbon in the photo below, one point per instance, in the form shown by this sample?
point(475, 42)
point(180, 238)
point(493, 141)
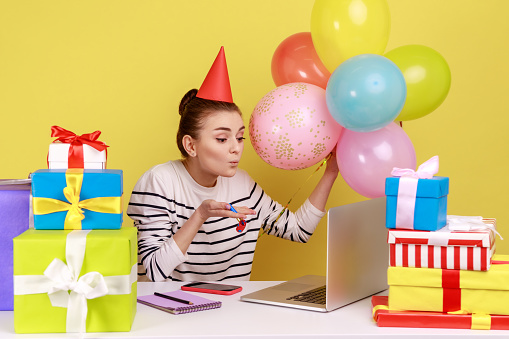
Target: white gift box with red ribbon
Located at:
point(58, 157)
point(70, 150)
point(463, 244)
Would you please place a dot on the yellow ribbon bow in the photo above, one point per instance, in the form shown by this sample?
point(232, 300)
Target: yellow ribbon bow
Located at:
point(74, 207)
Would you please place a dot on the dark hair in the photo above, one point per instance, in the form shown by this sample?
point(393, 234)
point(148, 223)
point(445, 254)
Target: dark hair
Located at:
point(193, 112)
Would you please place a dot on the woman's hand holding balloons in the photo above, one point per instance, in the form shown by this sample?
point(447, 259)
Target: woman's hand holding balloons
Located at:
point(332, 167)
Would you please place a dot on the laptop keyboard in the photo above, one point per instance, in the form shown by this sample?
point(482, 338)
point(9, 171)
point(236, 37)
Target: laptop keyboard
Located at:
point(315, 296)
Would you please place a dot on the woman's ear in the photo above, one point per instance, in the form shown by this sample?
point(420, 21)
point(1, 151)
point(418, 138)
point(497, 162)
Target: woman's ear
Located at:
point(189, 145)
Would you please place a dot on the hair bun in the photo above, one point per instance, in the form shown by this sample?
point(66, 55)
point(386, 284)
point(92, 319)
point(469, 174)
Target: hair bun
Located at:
point(190, 95)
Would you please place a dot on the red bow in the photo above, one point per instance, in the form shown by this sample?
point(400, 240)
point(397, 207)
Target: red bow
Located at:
point(75, 157)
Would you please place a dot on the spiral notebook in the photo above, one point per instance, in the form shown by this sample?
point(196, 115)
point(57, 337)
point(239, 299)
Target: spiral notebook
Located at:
point(175, 307)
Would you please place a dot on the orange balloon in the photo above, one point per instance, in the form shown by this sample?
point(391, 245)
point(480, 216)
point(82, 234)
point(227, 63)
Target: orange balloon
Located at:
point(296, 60)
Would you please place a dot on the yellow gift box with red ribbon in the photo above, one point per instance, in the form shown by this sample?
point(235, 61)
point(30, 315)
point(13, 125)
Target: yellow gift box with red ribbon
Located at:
point(442, 290)
point(77, 199)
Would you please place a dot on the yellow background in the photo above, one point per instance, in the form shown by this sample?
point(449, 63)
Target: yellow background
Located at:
point(122, 66)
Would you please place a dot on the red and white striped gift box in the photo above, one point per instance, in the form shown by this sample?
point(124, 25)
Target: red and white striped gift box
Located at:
point(447, 249)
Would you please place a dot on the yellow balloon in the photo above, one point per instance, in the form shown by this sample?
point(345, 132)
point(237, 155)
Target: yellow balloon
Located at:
point(342, 29)
point(427, 76)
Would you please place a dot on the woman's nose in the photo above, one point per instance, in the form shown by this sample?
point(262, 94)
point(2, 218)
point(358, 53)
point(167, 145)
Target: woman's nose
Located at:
point(235, 147)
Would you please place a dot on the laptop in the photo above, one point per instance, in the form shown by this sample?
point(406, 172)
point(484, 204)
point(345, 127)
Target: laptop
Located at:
point(357, 260)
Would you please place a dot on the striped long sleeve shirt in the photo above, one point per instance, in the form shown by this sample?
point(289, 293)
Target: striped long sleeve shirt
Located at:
point(166, 196)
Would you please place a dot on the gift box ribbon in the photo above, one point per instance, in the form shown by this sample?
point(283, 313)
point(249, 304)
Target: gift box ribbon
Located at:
point(75, 156)
point(452, 291)
point(407, 190)
point(74, 207)
point(469, 224)
point(480, 321)
point(64, 286)
point(377, 309)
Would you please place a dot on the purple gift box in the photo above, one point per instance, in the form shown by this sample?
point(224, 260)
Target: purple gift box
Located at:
point(14, 220)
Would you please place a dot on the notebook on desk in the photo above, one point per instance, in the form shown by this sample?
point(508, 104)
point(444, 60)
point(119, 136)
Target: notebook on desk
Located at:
point(357, 259)
point(196, 303)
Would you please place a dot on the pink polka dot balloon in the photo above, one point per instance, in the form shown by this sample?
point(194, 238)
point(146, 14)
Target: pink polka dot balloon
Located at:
point(291, 128)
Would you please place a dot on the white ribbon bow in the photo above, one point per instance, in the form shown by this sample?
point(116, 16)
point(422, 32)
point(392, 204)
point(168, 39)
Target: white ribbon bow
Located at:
point(425, 171)
point(407, 190)
point(469, 223)
point(67, 291)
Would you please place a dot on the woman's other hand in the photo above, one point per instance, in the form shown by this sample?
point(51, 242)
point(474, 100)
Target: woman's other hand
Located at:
point(211, 208)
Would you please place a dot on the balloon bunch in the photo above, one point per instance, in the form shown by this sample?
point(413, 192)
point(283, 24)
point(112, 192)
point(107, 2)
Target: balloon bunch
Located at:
point(337, 88)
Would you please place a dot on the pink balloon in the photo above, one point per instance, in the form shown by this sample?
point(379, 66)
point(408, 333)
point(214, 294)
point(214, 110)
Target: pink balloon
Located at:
point(291, 128)
point(366, 159)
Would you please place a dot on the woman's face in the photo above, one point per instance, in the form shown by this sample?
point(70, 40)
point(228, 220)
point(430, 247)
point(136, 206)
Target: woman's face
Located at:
point(220, 144)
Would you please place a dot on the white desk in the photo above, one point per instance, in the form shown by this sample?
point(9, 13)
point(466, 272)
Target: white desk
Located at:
point(242, 319)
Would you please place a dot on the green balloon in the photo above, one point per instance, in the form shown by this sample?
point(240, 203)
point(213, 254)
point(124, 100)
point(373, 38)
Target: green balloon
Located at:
point(427, 76)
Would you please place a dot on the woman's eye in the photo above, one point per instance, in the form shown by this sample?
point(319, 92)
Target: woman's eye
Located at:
point(221, 140)
point(241, 139)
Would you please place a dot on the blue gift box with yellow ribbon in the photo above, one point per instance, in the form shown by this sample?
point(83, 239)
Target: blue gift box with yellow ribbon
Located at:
point(77, 199)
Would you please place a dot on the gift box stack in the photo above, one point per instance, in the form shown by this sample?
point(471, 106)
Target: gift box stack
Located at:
point(75, 271)
point(442, 269)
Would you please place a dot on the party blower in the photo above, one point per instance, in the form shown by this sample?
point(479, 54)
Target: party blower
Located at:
point(242, 222)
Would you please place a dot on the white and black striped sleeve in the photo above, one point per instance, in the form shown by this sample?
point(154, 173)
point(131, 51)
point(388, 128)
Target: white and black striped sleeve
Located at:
point(152, 211)
point(298, 226)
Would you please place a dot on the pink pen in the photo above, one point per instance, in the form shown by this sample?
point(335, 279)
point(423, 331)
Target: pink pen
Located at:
point(242, 222)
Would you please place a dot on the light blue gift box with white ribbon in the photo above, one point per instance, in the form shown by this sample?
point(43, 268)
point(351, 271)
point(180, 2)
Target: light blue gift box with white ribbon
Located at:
point(430, 213)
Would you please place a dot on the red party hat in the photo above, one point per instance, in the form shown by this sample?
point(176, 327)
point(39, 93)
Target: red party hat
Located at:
point(216, 85)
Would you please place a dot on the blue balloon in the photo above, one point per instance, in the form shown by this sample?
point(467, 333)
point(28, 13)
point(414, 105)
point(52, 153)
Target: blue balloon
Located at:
point(366, 93)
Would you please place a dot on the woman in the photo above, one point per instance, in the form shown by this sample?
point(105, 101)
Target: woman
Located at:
point(187, 230)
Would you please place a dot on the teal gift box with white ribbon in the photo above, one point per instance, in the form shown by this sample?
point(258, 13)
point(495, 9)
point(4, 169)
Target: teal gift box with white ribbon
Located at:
point(75, 281)
point(417, 199)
